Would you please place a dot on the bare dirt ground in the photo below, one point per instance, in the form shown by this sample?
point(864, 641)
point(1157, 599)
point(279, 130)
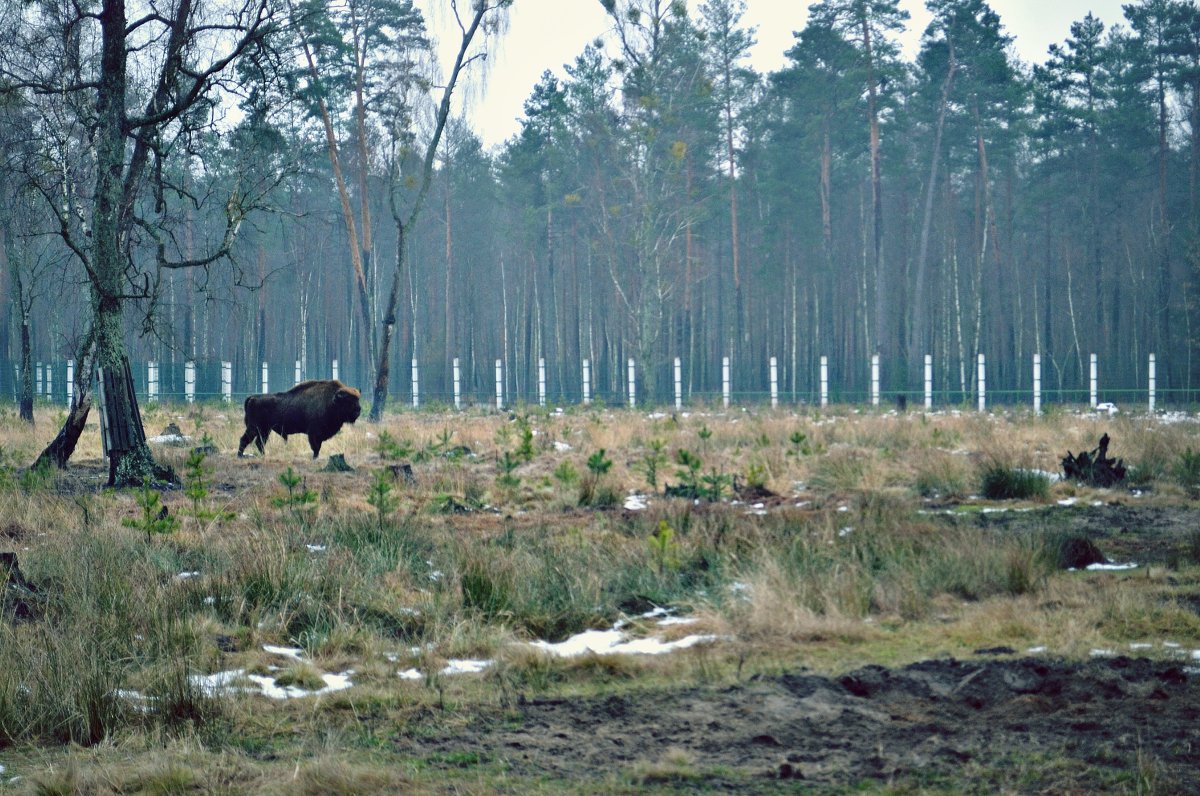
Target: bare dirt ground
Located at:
point(923, 722)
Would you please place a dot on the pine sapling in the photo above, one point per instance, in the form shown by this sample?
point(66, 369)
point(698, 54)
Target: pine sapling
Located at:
point(300, 500)
point(654, 458)
point(196, 489)
point(380, 497)
point(597, 465)
point(690, 471)
point(155, 518)
point(508, 465)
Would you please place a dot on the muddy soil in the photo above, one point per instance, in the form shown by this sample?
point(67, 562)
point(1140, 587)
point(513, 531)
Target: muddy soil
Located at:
point(1141, 534)
point(928, 722)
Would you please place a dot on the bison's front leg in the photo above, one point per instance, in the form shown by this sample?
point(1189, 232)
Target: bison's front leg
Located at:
point(314, 442)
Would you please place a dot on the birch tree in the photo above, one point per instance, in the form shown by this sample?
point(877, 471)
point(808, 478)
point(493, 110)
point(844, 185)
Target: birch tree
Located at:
point(485, 17)
point(127, 91)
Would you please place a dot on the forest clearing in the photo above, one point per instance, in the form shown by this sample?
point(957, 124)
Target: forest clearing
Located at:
point(508, 602)
point(596, 599)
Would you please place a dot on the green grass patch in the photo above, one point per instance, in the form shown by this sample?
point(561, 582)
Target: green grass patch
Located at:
point(1000, 482)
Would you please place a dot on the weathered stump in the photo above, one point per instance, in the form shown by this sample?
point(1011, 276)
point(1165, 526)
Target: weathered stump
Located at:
point(403, 472)
point(1095, 467)
point(337, 464)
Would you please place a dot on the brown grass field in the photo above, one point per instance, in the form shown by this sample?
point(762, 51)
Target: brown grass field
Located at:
point(857, 616)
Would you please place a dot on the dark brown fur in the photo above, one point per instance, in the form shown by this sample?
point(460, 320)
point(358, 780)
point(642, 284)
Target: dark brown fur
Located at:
point(315, 408)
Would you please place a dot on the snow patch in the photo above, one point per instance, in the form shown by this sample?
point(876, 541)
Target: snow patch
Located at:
point(170, 439)
point(615, 642)
point(214, 684)
point(463, 666)
point(636, 503)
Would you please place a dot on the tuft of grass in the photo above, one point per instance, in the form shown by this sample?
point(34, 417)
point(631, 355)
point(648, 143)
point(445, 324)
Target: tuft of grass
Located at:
point(999, 482)
point(673, 766)
point(846, 470)
point(1186, 471)
point(302, 675)
point(488, 586)
point(942, 475)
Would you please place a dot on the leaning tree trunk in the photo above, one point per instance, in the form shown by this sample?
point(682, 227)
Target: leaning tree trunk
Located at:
point(383, 369)
point(59, 451)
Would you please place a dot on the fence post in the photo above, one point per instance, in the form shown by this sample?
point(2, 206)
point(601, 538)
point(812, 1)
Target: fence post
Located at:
point(335, 369)
point(874, 379)
point(296, 378)
point(50, 381)
point(457, 385)
point(189, 381)
point(587, 382)
point(1094, 369)
point(266, 378)
point(227, 382)
point(71, 382)
point(982, 373)
point(152, 382)
point(38, 377)
point(678, 384)
point(928, 382)
point(416, 385)
point(1037, 384)
point(726, 382)
point(1153, 373)
point(499, 384)
point(774, 383)
point(824, 381)
point(541, 381)
point(632, 383)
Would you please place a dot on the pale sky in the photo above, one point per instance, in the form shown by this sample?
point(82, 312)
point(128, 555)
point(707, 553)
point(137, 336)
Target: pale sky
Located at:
point(546, 34)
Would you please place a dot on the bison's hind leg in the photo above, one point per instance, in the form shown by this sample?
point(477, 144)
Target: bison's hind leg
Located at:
point(257, 436)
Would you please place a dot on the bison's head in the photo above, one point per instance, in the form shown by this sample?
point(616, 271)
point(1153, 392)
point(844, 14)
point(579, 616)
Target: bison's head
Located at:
point(346, 406)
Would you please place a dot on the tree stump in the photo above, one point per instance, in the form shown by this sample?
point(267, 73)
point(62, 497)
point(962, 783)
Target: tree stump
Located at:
point(1094, 467)
point(337, 464)
point(403, 472)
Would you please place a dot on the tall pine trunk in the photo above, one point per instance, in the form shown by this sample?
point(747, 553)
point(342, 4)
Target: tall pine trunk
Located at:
point(918, 337)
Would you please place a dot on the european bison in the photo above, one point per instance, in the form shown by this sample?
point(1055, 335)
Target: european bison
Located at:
point(315, 408)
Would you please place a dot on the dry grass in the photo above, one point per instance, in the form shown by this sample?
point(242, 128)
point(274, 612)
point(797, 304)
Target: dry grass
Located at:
point(842, 569)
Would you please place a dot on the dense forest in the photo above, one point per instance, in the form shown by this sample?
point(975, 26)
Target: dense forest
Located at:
point(661, 200)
